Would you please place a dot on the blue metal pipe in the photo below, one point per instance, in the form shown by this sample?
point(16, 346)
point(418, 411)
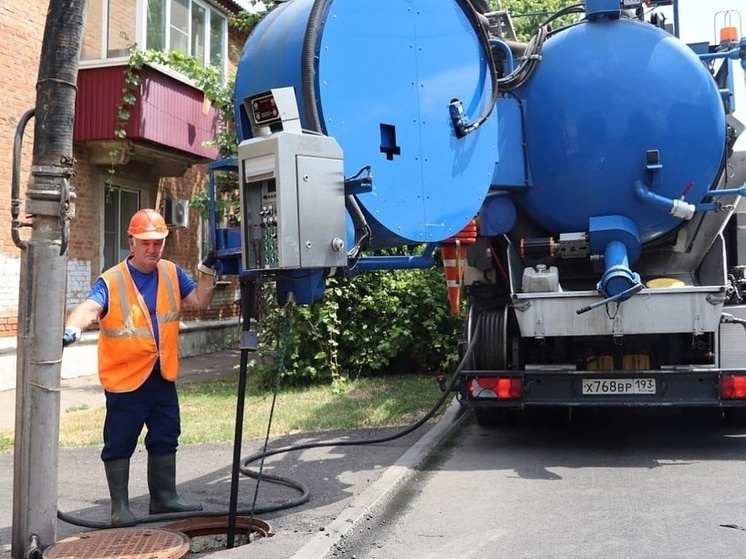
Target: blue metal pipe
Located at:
point(509, 61)
point(229, 164)
point(618, 278)
point(211, 205)
point(733, 54)
point(373, 263)
point(740, 191)
point(677, 208)
point(715, 206)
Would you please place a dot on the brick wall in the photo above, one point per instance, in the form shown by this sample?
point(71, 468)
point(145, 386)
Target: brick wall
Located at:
point(21, 32)
point(9, 281)
point(85, 229)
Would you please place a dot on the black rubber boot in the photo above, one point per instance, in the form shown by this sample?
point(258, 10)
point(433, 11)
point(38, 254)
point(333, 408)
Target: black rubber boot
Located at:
point(118, 477)
point(162, 486)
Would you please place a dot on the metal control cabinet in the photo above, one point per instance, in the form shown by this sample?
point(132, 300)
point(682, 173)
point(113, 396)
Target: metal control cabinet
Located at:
point(292, 202)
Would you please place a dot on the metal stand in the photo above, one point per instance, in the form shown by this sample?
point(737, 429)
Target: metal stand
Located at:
point(247, 344)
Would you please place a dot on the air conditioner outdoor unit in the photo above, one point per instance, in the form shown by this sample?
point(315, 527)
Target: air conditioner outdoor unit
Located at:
point(177, 213)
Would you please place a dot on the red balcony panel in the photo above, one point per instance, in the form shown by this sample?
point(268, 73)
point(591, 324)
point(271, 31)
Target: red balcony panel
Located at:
point(167, 112)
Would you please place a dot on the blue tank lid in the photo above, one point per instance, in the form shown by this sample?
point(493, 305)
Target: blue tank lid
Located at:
point(379, 78)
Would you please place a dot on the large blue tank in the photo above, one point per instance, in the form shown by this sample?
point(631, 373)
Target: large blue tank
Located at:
point(604, 93)
point(379, 76)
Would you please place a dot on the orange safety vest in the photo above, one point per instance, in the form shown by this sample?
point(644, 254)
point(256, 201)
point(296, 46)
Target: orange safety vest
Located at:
point(127, 350)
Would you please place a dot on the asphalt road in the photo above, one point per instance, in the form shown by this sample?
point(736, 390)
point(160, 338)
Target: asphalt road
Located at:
point(612, 485)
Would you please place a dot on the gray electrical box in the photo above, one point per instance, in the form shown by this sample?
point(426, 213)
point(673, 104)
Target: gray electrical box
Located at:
point(292, 202)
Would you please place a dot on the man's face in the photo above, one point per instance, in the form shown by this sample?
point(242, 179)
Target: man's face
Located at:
point(146, 253)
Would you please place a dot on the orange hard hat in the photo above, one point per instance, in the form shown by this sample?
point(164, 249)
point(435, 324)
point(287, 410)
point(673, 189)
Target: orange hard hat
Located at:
point(147, 224)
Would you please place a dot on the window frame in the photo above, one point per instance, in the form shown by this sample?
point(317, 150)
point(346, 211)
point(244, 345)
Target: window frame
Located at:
point(141, 30)
point(210, 10)
point(121, 226)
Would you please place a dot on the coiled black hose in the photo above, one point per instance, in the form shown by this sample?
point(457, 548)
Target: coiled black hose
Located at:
point(467, 359)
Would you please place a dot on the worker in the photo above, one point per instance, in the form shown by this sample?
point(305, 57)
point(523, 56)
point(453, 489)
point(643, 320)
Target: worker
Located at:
point(137, 304)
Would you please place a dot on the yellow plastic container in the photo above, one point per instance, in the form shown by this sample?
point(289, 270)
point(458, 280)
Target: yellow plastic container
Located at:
point(664, 283)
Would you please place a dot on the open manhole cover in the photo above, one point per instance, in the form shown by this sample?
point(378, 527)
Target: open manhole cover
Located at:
point(211, 533)
point(121, 543)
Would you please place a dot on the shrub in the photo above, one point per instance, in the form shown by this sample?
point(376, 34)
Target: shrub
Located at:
point(375, 323)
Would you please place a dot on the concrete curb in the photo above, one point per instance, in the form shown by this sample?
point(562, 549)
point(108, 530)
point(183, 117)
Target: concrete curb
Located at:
point(323, 542)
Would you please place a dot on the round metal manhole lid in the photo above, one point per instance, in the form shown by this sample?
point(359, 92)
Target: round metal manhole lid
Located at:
point(121, 543)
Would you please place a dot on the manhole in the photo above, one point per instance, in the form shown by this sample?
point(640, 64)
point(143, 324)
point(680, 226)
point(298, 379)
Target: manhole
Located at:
point(121, 543)
point(211, 532)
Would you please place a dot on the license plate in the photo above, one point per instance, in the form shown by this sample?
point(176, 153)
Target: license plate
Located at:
point(618, 386)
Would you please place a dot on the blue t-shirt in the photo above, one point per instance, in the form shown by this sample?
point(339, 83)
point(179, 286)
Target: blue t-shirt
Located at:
point(147, 285)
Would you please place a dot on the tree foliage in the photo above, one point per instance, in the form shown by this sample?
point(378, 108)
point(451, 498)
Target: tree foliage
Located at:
point(245, 20)
point(528, 15)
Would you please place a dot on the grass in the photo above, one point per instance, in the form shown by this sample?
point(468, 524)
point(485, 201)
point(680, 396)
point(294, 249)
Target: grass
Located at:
point(208, 410)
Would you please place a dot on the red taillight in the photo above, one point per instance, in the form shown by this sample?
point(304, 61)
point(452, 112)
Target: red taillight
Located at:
point(733, 387)
point(501, 388)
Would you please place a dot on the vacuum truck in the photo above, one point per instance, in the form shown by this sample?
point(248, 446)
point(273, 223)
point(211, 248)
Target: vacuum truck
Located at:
point(583, 187)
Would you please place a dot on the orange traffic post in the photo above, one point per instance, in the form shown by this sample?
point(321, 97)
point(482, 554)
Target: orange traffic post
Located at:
point(452, 256)
point(453, 251)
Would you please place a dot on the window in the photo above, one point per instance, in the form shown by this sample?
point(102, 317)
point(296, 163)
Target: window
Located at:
point(110, 29)
point(194, 27)
point(189, 26)
point(199, 18)
point(156, 27)
point(119, 206)
point(177, 32)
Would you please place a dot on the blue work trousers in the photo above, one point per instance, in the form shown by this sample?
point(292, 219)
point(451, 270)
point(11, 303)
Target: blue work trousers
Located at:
point(155, 405)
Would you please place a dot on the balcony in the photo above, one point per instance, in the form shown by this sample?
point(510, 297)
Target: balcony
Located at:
point(168, 126)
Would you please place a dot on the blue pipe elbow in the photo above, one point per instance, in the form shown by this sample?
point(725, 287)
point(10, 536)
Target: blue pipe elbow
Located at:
point(618, 278)
point(509, 61)
point(677, 208)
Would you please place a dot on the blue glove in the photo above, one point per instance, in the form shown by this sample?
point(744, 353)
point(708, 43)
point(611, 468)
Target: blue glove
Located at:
point(71, 335)
point(210, 263)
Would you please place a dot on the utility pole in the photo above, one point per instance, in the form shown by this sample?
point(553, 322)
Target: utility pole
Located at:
point(41, 304)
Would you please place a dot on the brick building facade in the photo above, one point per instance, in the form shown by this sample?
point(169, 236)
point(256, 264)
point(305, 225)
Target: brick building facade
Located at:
point(164, 159)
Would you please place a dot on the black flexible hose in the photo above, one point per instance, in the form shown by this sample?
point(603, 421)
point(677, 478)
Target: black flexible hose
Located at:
point(305, 494)
point(446, 392)
point(280, 480)
point(533, 51)
point(308, 67)
point(474, 16)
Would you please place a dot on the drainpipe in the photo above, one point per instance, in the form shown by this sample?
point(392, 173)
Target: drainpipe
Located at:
point(42, 289)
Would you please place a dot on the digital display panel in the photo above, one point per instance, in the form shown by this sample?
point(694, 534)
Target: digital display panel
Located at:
point(264, 109)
